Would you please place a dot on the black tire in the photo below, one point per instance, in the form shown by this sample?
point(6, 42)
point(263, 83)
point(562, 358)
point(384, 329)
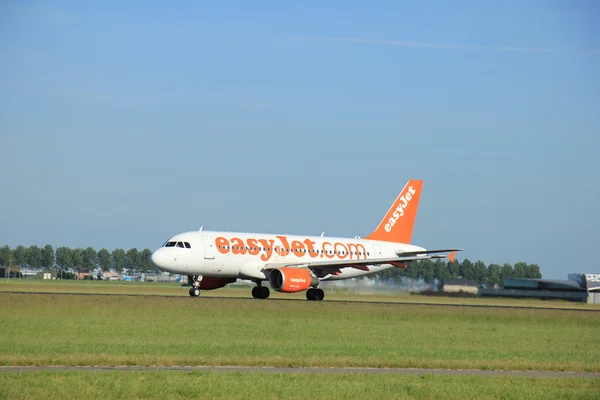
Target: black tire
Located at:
point(264, 292)
point(310, 294)
point(256, 292)
point(192, 292)
point(319, 294)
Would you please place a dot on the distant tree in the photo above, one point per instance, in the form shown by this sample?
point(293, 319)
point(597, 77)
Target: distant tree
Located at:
point(413, 270)
point(63, 257)
point(534, 271)
point(467, 269)
point(34, 257)
point(480, 272)
point(48, 257)
point(104, 260)
point(90, 259)
point(20, 255)
point(144, 262)
point(77, 259)
point(454, 269)
point(520, 270)
point(6, 256)
point(117, 260)
point(441, 271)
point(132, 259)
point(506, 272)
point(494, 275)
point(427, 271)
point(390, 274)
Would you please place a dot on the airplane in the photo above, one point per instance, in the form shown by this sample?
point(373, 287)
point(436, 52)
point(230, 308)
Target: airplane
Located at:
point(293, 263)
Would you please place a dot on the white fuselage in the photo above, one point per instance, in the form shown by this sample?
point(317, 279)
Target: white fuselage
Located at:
point(245, 255)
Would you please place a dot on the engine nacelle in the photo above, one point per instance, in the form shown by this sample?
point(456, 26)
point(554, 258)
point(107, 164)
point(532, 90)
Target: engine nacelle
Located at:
point(291, 280)
point(211, 282)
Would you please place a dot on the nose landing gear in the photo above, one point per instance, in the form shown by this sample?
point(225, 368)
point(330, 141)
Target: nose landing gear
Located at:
point(195, 283)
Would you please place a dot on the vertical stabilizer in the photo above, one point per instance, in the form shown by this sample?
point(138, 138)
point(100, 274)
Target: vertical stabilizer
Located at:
point(397, 225)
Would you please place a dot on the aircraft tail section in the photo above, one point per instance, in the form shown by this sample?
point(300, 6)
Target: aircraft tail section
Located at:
point(397, 225)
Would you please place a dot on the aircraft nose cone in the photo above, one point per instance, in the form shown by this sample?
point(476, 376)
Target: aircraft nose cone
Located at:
point(158, 258)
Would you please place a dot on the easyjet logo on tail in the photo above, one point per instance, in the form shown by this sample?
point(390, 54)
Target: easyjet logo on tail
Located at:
point(397, 224)
point(399, 212)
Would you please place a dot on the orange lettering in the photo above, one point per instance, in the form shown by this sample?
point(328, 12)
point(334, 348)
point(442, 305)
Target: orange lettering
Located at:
point(343, 253)
point(311, 250)
point(268, 245)
point(283, 249)
point(298, 248)
point(253, 247)
point(359, 249)
point(237, 246)
point(326, 251)
point(222, 244)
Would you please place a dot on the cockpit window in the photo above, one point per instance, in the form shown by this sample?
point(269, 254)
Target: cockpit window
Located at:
point(178, 244)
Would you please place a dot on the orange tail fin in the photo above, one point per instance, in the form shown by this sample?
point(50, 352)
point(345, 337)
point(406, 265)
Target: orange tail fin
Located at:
point(397, 225)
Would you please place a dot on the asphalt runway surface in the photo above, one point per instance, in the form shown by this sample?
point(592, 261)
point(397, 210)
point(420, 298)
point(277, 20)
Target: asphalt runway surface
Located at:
point(408, 303)
point(302, 370)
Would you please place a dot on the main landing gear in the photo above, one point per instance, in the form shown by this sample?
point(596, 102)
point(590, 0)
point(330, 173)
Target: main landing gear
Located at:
point(195, 283)
point(315, 294)
point(260, 292)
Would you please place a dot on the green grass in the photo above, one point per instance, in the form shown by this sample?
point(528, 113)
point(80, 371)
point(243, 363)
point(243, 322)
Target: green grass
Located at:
point(175, 289)
point(147, 330)
point(193, 385)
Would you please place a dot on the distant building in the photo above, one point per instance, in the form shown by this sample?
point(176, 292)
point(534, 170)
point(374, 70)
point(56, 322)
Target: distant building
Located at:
point(460, 285)
point(579, 287)
point(110, 276)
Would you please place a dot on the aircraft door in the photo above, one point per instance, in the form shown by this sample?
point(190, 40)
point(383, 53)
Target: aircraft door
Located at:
point(377, 249)
point(209, 247)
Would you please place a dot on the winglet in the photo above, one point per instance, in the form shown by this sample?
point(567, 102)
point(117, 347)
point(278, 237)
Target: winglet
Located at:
point(451, 256)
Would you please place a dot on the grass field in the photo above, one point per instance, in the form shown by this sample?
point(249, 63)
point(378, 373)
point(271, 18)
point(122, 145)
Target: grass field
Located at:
point(176, 385)
point(149, 330)
point(175, 289)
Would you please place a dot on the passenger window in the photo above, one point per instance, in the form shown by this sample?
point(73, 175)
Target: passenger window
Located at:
point(187, 245)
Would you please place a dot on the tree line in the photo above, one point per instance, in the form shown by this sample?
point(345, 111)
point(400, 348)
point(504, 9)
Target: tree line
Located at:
point(437, 271)
point(79, 260)
point(132, 260)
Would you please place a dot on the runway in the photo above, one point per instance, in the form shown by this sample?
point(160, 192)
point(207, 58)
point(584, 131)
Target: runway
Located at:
point(305, 370)
point(403, 303)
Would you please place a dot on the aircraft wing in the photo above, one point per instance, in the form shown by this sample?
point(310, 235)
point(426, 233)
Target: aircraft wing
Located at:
point(419, 252)
point(334, 266)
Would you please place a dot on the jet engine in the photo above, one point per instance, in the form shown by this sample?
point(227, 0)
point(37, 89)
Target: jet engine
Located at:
point(291, 280)
point(210, 282)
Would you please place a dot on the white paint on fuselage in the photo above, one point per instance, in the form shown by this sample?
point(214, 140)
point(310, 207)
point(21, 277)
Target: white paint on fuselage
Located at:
point(197, 259)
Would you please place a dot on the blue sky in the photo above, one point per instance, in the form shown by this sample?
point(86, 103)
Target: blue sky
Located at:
point(122, 124)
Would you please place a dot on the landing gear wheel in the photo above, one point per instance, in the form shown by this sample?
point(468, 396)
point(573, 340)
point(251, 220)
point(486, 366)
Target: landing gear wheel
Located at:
point(319, 294)
point(264, 292)
point(194, 292)
point(260, 292)
point(310, 294)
